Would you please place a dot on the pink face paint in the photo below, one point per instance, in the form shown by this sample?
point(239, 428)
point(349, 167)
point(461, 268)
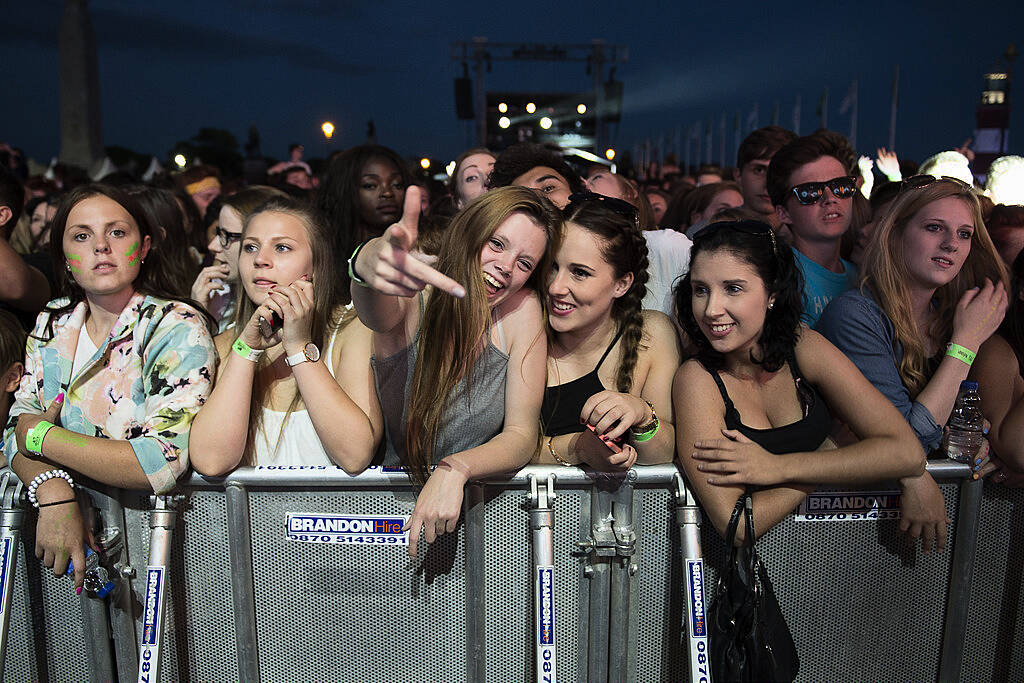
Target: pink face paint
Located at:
point(133, 254)
point(74, 263)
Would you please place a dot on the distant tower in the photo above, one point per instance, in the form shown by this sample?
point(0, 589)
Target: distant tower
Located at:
point(81, 139)
point(992, 134)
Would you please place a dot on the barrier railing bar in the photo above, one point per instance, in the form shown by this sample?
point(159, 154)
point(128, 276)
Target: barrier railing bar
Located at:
point(688, 519)
point(622, 569)
point(161, 534)
point(242, 581)
point(11, 518)
point(602, 546)
point(542, 521)
point(961, 575)
point(476, 640)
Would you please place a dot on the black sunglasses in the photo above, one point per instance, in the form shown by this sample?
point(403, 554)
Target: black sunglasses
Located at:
point(842, 187)
point(918, 181)
point(227, 238)
point(619, 206)
point(747, 227)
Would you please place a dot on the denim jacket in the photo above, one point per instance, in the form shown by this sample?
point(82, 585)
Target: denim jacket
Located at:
point(143, 385)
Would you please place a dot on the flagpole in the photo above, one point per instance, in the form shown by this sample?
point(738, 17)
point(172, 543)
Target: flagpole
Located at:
point(853, 117)
point(895, 106)
point(796, 115)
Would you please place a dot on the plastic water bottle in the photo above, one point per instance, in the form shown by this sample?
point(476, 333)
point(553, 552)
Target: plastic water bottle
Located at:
point(965, 424)
point(97, 580)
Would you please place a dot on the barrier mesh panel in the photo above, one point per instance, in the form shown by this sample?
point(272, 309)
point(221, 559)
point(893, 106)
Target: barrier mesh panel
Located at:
point(355, 612)
point(199, 627)
point(508, 586)
point(661, 655)
point(994, 642)
point(861, 604)
point(45, 638)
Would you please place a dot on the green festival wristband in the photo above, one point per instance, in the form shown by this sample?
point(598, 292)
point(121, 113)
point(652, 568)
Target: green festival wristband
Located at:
point(648, 435)
point(961, 353)
point(34, 440)
point(352, 267)
point(245, 351)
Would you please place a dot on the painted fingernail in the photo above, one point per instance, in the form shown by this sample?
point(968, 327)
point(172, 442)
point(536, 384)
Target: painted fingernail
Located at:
point(60, 397)
point(974, 476)
point(78, 591)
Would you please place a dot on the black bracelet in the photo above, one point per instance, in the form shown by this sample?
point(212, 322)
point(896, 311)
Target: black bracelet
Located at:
point(55, 502)
point(352, 265)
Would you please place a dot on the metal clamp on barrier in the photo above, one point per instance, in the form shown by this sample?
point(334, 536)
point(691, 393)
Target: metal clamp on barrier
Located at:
point(542, 519)
point(688, 518)
point(11, 518)
point(161, 525)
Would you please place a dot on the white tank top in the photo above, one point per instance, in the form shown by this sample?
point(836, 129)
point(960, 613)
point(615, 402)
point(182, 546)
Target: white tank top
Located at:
point(299, 444)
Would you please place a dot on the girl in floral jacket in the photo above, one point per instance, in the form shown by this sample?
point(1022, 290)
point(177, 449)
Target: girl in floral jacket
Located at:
point(114, 372)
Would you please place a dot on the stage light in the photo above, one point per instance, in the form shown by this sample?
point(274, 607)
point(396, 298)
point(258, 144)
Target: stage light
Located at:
point(328, 128)
point(424, 163)
point(609, 154)
point(504, 122)
point(503, 107)
point(545, 122)
point(179, 160)
point(530, 107)
point(581, 108)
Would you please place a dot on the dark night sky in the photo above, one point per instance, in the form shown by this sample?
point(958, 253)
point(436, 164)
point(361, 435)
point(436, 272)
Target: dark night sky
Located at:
point(166, 69)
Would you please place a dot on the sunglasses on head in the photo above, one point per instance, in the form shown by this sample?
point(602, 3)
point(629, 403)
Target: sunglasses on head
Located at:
point(842, 187)
point(918, 181)
point(747, 227)
point(227, 238)
point(619, 206)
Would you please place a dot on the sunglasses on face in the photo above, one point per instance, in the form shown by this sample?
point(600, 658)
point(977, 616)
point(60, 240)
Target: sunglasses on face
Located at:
point(618, 206)
point(842, 187)
point(227, 238)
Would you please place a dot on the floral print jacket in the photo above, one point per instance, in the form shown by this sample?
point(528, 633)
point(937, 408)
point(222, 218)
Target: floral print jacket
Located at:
point(144, 384)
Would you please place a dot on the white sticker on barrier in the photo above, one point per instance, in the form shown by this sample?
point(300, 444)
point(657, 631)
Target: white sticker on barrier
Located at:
point(149, 654)
point(309, 527)
point(544, 603)
point(6, 562)
point(849, 506)
point(696, 622)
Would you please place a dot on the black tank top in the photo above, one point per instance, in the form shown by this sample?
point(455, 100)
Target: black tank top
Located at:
point(804, 435)
point(563, 403)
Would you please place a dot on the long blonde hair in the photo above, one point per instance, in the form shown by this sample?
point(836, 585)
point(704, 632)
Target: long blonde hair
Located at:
point(452, 330)
point(886, 275)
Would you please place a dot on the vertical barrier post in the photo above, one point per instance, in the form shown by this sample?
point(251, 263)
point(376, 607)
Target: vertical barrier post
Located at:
point(542, 518)
point(476, 598)
point(622, 570)
point(243, 598)
point(161, 532)
point(688, 518)
point(11, 517)
point(961, 575)
point(601, 546)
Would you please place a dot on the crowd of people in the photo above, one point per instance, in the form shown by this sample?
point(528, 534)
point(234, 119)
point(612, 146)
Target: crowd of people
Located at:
point(803, 319)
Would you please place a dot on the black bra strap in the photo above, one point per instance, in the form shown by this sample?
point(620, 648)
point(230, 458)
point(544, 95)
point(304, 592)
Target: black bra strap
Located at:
point(609, 349)
point(732, 417)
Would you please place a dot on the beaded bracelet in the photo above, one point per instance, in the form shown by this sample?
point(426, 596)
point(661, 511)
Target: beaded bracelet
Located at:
point(961, 353)
point(554, 454)
point(46, 476)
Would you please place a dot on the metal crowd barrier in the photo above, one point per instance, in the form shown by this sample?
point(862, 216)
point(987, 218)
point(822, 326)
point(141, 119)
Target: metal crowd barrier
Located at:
point(553, 574)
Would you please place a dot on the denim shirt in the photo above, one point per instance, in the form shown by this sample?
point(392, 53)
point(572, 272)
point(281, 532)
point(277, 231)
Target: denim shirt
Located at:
point(858, 327)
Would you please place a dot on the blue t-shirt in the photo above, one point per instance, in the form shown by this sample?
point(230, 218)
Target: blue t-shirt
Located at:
point(821, 285)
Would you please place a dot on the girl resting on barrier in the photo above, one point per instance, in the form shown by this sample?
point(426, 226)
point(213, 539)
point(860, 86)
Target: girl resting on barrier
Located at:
point(999, 370)
point(279, 400)
point(114, 372)
point(932, 290)
point(459, 368)
point(600, 338)
point(759, 385)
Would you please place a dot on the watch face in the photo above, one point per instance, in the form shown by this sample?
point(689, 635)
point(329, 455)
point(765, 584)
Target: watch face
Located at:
point(312, 352)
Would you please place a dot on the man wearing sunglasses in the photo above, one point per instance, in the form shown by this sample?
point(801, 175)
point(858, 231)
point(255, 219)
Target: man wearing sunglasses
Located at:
point(811, 185)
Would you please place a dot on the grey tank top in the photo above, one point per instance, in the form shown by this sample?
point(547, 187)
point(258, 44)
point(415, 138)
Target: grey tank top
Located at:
point(474, 414)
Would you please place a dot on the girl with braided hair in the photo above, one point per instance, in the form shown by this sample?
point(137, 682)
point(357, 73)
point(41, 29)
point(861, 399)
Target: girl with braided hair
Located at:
point(610, 363)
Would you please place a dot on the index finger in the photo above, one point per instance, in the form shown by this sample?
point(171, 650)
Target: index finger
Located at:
point(78, 558)
point(413, 526)
point(421, 271)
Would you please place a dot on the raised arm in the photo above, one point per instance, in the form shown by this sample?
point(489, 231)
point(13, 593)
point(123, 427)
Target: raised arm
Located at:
point(391, 274)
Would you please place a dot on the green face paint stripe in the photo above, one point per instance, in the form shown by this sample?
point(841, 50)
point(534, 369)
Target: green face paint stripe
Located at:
point(133, 253)
point(72, 257)
point(75, 269)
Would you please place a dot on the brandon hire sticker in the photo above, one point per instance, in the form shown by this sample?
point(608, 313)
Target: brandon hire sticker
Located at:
point(849, 506)
point(347, 529)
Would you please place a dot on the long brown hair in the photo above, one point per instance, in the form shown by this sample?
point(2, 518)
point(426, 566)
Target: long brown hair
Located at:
point(327, 318)
point(452, 330)
point(886, 275)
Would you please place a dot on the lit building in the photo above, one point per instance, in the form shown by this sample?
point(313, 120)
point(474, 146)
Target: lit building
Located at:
point(992, 117)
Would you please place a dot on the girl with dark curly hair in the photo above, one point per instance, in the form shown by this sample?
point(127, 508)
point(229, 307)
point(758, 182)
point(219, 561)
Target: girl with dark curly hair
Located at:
point(758, 388)
point(608, 402)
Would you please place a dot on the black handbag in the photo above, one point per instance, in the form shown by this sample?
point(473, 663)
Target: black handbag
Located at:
point(750, 640)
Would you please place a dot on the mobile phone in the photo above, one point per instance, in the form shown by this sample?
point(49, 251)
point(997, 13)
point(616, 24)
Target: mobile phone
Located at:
point(614, 445)
point(269, 327)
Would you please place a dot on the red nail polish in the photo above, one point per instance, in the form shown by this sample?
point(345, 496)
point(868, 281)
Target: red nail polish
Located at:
point(78, 591)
